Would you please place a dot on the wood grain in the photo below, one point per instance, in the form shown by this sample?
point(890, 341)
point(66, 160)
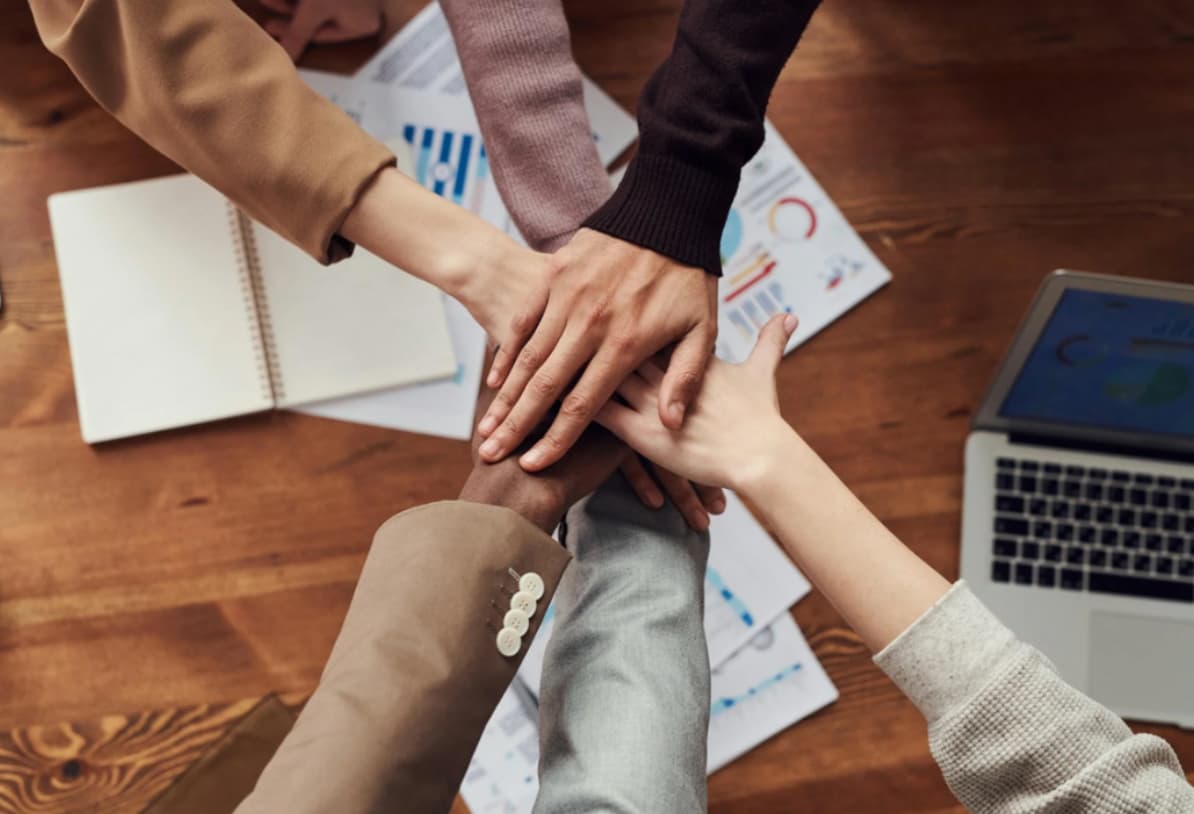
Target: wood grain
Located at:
point(151, 589)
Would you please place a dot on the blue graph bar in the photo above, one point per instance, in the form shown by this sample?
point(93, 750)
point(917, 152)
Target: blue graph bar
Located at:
point(730, 597)
point(723, 704)
point(445, 155)
point(466, 149)
point(424, 162)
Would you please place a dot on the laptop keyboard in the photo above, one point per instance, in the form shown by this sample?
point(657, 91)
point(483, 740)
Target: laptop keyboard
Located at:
point(1100, 530)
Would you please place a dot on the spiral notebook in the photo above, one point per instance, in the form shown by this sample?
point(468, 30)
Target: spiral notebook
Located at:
point(181, 310)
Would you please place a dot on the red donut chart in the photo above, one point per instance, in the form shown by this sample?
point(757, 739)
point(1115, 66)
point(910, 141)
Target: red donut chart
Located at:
point(777, 208)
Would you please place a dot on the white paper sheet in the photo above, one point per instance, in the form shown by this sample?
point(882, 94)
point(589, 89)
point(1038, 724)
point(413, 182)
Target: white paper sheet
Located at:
point(787, 247)
point(422, 57)
point(749, 583)
point(763, 689)
point(502, 777)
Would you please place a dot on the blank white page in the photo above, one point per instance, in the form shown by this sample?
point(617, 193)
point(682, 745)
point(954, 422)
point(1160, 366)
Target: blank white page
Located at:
point(357, 325)
point(161, 334)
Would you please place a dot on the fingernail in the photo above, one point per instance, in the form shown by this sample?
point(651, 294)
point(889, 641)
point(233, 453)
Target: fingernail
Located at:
point(533, 458)
point(487, 425)
point(790, 323)
point(701, 522)
point(490, 448)
point(491, 379)
point(719, 505)
point(655, 500)
point(678, 410)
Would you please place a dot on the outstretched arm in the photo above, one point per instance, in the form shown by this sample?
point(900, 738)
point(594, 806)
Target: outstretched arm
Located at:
point(1009, 734)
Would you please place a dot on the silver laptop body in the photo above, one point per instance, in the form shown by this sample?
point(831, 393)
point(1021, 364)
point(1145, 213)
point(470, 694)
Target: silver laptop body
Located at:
point(1078, 511)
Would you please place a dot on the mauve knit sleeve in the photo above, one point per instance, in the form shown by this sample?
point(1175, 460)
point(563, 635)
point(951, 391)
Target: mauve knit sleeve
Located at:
point(526, 88)
point(701, 119)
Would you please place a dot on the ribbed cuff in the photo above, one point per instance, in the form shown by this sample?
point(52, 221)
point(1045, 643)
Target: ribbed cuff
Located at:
point(672, 208)
point(947, 655)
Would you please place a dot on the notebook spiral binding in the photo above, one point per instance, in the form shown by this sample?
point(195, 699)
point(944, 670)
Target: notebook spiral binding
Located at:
point(265, 349)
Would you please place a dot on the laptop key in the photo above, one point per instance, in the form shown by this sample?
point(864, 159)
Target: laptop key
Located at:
point(1175, 544)
point(1109, 537)
point(1148, 520)
point(1046, 576)
point(1097, 474)
point(1120, 560)
point(1042, 529)
point(1050, 486)
point(1170, 521)
point(1094, 491)
point(1060, 510)
point(1166, 481)
point(1013, 526)
point(1160, 500)
point(1120, 476)
point(1030, 550)
point(1071, 579)
point(1185, 567)
point(1005, 547)
point(1139, 497)
point(1126, 517)
point(1115, 494)
point(1071, 488)
point(1001, 571)
point(1028, 484)
point(1143, 563)
point(1086, 534)
point(1164, 565)
point(1075, 471)
point(1075, 555)
point(1023, 573)
point(1053, 552)
point(1005, 463)
point(1098, 558)
point(1005, 482)
point(1142, 478)
point(1038, 507)
point(1188, 524)
point(1102, 582)
point(1009, 503)
point(1082, 511)
point(1182, 501)
point(1105, 514)
point(1130, 539)
point(1187, 484)
point(1029, 466)
point(1065, 532)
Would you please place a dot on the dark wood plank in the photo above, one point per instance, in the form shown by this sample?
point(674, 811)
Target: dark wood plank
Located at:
point(975, 147)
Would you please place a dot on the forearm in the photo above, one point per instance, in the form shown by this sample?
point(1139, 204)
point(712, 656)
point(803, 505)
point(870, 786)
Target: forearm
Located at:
point(423, 234)
point(203, 84)
point(878, 585)
point(701, 119)
point(517, 60)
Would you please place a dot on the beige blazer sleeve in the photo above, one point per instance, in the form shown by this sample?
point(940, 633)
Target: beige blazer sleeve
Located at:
point(415, 672)
point(203, 84)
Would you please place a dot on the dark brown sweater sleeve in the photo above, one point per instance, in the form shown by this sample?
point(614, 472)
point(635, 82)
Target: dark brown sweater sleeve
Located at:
point(701, 119)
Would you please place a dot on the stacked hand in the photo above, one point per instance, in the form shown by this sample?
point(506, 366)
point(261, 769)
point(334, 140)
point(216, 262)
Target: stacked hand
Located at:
point(303, 22)
point(712, 447)
point(601, 308)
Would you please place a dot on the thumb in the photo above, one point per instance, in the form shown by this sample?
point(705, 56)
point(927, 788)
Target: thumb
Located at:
point(682, 381)
point(769, 347)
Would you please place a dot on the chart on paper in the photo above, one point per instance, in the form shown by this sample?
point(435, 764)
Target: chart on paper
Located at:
point(786, 248)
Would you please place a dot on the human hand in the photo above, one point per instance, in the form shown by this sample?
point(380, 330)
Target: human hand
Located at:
point(543, 497)
point(733, 428)
point(611, 305)
point(321, 21)
point(694, 501)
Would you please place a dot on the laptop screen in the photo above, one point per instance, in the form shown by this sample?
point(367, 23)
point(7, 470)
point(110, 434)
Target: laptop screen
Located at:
point(1110, 361)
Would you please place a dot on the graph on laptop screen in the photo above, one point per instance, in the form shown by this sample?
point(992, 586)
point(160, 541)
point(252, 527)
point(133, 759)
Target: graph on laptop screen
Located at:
point(1111, 361)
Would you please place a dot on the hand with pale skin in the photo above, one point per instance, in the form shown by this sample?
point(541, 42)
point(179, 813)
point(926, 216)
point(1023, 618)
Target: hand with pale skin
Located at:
point(305, 22)
point(610, 306)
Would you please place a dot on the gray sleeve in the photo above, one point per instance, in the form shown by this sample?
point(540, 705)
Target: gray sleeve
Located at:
point(1010, 735)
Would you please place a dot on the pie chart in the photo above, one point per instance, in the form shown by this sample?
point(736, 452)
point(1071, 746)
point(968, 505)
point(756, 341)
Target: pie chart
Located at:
point(792, 219)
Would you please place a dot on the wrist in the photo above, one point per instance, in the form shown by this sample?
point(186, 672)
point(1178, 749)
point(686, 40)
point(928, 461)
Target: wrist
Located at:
point(779, 453)
point(540, 506)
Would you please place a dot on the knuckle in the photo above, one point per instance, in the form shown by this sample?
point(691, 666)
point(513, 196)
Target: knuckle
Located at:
point(522, 323)
point(543, 386)
point(502, 400)
point(688, 381)
point(512, 427)
point(626, 342)
point(577, 405)
point(530, 358)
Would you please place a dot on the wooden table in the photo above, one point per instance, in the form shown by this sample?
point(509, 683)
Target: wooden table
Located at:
point(151, 590)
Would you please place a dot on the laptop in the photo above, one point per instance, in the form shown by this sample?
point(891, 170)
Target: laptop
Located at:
point(1078, 511)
